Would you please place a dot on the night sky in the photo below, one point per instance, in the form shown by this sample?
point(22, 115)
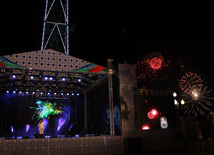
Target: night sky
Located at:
point(119, 29)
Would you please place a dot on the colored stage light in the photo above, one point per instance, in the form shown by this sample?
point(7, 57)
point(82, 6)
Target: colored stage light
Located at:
point(55, 93)
point(70, 127)
point(7, 92)
point(72, 94)
point(68, 94)
point(50, 78)
point(41, 93)
point(63, 79)
point(61, 93)
point(45, 121)
point(20, 92)
point(78, 94)
point(31, 77)
point(46, 78)
point(61, 122)
point(11, 128)
point(145, 127)
point(14, 76)
point(27, 92)
point(14, 92)
point(48, 93)
point(33, 93)
point(79, 80)
point(27, 127)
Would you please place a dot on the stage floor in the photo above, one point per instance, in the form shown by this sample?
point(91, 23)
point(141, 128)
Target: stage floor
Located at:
point(62, 145)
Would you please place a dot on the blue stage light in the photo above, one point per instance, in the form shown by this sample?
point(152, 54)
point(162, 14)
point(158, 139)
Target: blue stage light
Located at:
point(33, 93)
point(63, 79)
point(46, 78)
point(41, 93)
point(72, 94)
point(48, 93)
point(14, 76)
point(20, 92)
point(79, 80)
point(27, 92)
point(78, 94)
point(68, 94)
point(50, 78)
point(7, 92)
point(14, 92)
point(55, 93)
point(31, 77)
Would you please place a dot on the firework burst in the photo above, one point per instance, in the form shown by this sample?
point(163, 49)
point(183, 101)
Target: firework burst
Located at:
point(198, 101)
point(147, 68)
point(190, 81)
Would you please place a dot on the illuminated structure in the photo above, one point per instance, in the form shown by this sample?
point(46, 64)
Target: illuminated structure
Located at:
point(56, 26)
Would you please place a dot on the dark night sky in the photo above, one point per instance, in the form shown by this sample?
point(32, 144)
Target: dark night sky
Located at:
point(119, 29)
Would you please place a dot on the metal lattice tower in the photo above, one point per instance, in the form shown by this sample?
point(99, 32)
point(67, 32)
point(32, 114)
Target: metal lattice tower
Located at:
point(111, 104)
point(56, 26)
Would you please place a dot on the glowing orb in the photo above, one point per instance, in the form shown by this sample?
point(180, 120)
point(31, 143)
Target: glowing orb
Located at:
point(152, 114)
point(163, 123)
point(145, 127)
point(155, 63)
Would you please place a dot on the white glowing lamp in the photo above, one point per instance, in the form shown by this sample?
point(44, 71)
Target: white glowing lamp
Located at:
point(174, 94)
point(182, 102)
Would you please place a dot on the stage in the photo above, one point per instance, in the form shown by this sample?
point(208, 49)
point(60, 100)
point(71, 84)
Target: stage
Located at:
point(62, 145)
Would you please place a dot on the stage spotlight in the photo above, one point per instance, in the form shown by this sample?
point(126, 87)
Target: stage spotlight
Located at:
point(27, 92)
point(61, 122)
point(14, 92)
point(31, 77)
point(55, 93)
point(41, 93)
point(50, 78)
point(48, 93)
point(27, 127)
point(63, 79)
point(46, 78)
point(72, 94)
point(68, 94)
point(7, 92)
point(11, 128)
point(45, 121)
point(20, 92)
point(79, 80)
point(14, 76)
point(61, 93)
point(33, 93)
point(78, 94)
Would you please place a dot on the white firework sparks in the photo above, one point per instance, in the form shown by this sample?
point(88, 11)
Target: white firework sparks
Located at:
point(198, 101)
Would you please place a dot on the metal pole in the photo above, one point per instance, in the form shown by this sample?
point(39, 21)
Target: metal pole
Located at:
point(111, 105)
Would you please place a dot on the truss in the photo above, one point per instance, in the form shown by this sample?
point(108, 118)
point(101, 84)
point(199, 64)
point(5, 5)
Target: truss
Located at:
point(56, 26)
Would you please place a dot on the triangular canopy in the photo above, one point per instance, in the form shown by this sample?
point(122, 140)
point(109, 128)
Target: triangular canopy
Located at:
point(49, 60)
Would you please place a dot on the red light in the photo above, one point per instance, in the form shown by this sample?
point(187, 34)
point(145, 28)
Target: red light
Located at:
point(154, 112)
point(145, 127)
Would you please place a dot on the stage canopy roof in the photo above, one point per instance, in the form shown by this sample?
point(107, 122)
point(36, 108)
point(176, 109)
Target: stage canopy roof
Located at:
point(49, 71)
